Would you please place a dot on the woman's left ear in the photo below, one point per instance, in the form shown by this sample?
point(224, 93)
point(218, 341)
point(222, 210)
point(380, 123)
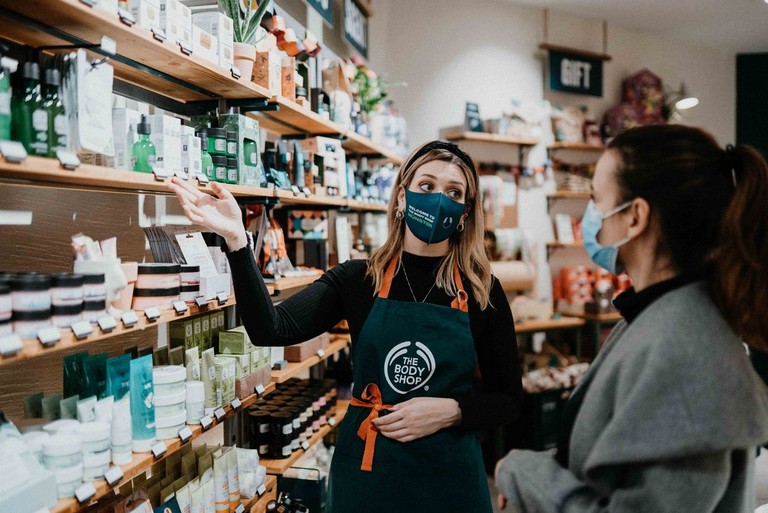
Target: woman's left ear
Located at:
point(640, 212)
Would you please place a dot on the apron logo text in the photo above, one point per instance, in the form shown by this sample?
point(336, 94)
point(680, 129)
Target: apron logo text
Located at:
point(408, 367)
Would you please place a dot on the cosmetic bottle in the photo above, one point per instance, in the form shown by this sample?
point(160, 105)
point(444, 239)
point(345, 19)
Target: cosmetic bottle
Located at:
point(144, 153)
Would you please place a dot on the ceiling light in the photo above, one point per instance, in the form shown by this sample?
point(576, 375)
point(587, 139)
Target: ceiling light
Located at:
point(687, 100)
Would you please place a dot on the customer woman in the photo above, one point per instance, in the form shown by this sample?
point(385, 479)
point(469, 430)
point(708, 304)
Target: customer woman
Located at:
point(424, 312)
point(670, 415)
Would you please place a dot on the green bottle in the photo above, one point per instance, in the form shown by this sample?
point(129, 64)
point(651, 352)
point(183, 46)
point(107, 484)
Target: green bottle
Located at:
point(207, 161)
point(5, 101)
point(58, 125)
point(144, 154)
point(30, 119)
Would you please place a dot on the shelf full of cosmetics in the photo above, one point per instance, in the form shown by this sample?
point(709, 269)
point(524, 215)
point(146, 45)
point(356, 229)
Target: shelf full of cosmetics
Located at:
point(223, 148)
point(118, 417)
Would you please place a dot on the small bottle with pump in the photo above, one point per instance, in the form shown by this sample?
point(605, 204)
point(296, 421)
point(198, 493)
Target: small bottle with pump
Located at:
point(58, 125)
point(206, 160)
point(144, 153)
point(30, 119)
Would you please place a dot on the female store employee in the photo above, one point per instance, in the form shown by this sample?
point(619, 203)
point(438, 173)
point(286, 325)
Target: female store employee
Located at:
point(424, 313)
point(669, 417)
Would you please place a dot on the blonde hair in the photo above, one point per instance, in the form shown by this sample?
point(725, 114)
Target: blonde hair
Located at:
point(465, 248)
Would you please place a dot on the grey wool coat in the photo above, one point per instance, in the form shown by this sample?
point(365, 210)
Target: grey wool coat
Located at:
point(670, 423)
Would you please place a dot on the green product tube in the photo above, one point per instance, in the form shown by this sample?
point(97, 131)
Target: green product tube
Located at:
point(5, 103)
point(95, 370)
point(144, 153)
point(207, 161)
point(74, 374)
point(119, 376)
point(142, 404)
point(58, 125)
point(29, 118)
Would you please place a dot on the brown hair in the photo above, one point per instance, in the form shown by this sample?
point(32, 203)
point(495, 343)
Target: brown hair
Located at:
point(711, 207)
point(465, 248)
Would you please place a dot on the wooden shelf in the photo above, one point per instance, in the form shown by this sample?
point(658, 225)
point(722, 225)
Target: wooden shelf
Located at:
point(294, 368)
point(143, 461)
point(33, 348)
point(259, 504)
point(549, 325)
point(279, 467)
point(491, 138)
point(282, 284)
point(195, 78)
point(570, 195)
point(576, 147)
point(370, 207)
point(292, 119)
point(358, 144)
point(289, 198)
point(563, 245)
point(608, 317)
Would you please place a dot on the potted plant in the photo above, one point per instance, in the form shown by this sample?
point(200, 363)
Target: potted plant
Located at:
point(246, 19)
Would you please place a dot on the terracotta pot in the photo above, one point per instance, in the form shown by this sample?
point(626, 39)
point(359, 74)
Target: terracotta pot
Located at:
point(244, 57)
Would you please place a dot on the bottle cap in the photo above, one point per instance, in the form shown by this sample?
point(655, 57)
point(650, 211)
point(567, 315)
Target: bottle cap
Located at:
point(52, 77)
point(144, 128)
point(30, 70)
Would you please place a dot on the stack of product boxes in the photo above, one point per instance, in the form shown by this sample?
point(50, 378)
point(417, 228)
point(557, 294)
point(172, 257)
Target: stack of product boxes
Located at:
point(213, 37)
point(200, 331)
point(146, 13)
point(579, 289)
point(191, 155)
point(236, 350)
point(166, 136)
point(176, 20)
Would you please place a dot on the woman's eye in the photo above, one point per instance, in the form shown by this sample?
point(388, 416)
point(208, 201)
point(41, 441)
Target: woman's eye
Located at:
point(426, 187)
point(454, 194)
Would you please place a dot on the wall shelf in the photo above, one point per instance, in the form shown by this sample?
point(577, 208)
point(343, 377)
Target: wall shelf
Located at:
point(295, 368)
point(570, 195)
point(575, 147)
point(279, 467)
point(607, 317)
point(549, 325)
point(490, 138)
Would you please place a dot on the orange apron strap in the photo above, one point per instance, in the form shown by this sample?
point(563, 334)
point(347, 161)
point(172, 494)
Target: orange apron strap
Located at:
point(460, 301)
point(388, 276)
point(371, 398)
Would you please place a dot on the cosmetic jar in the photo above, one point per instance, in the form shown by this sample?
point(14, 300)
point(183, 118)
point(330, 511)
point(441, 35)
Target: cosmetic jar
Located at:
point(158, 276)
point(61, 427)
point(167, 406)
point(217, 142)
point(232, 144)
point(95, 436)
point(94, 287)
point(94, 310)
point(169, 380)
point(31, 292)
point(34, 441)
point(66, 316)
point(68, 480)
point(27, 324)
point(66, 289)
point(232, 171)
point(161, 298)
point(62, 451)
point(219, 168)
point(168, 428)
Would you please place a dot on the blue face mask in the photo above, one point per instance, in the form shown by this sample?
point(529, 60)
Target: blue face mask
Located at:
point(591, 224)
point(432, 217)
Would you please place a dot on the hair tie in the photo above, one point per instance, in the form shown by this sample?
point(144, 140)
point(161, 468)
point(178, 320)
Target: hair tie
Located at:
point(729, 162)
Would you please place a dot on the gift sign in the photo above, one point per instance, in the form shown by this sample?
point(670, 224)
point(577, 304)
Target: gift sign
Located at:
point(574, 73)
point(324, 8)
point(356, 27)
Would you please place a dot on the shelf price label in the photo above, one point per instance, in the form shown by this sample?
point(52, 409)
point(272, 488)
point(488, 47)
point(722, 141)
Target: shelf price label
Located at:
point(202, 179)
point(261, 491)
point(180, 307)
point(305, 445)
point(185, 434)
point(332, 422)
point(259, 390)
point(49, 336)
point(130, 319)
point(235, 404)
point(222, 298)
point(13, 151)
point(240, 509)
point(159, 34)
point(159, 449)
point(107, 323)
point(82, 329)
point(152, 313)
point(206, 422)
point(126, 17)
point(219, 413)
point(161, 174)
point(10, 345)
point(235, 71)
point(185, 48)
point(85, 492)
point(113, 476)
point(320, 353)
point(201, 302)
point(68, 160)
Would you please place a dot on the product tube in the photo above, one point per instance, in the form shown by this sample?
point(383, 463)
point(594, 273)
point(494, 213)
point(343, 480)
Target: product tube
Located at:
point(209, 379)
point(119, 376)
point(86, 409)
point(221, 483)
point(142, 404)
point(193, 363)
point(233, 475)
point(122, 432)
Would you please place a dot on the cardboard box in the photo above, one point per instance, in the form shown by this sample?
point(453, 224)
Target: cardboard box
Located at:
point(288, 78)
point(225, 378)
point(197, 324)
point(191, 155)
point(204, 44)
point(181, 334)
point(235, 341)
point(205, 322)
point(124, 123)
point(300, 352)
point(166, 136)
point(175, 11)
point(267, 71)
point(242, 365)
point(216, 24)
point(249, 169)
point(210, 286)
point(261, 357)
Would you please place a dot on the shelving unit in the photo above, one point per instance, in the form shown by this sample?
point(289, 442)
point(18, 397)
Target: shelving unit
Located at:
point(491, 138)
point(607, 317)
point(259, 504)
point(571, 322)
point(576, 147)
point(295, 368)
point(569, 195)
point(278, 467)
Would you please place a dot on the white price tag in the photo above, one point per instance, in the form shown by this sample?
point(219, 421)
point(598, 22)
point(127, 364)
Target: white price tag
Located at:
point(10, 345)
point(202, 179)
point(82, 329)
point(305, 445)
point(296, 191)
point(320, 353)
point(181, 174)
point(159, 34)
point(159, 449)
point(222, 298)
point(152, 313)
point(68, 160)
point(180, 307)
point(201, 302)
point(240, 509)
point(160, 173)
point(85, 492)
point(332, 422)
point(262, 490)
point(185, 434)
point(13, 151)
point(130, 319)
point(126, 17)
point(107, 323)
point(49, 336)
point(206, 421)
point(219, 413)
point(185, 48)
point(113, 476)
point(236, 73)
point(235, 404)
point(259, 389)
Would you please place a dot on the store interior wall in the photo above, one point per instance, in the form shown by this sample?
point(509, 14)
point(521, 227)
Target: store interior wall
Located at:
point(486, 51)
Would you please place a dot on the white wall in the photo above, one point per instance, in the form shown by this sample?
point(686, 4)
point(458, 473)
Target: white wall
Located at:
point(486, 51)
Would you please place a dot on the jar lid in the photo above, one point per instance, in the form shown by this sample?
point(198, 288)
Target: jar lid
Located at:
point(186, 268)
point(69, 475)
point(281, 416)
point(66, 280)
point(190, 288)
point(97, 459)
point(94, 431)
point(171, 399)
point(36, 315)
point(159, 268)
point(169, 422)
point(217, 133)
point(231, 135)
point(35, 439)
point(61, 426)
point(62, 445)
point(94, 306)
point(93, 279)
point(195, 391)
point(231, 162)
point(168, 374)
point(30, 282)
point(70, 309)
point(173, 291)
point(219, 160)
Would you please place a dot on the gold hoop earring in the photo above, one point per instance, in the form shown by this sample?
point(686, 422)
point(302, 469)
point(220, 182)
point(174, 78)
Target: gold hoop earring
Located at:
point(460, 227)
point(399, 214)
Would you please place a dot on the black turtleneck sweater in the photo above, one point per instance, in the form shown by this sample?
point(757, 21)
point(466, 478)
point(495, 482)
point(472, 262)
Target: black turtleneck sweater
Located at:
point(345, 292)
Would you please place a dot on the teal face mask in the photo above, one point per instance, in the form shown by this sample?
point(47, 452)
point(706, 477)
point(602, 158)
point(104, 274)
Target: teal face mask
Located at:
point(432, 217)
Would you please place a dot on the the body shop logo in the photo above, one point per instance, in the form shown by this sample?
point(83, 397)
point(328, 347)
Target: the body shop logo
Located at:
point(447, 222)
point(409, 366)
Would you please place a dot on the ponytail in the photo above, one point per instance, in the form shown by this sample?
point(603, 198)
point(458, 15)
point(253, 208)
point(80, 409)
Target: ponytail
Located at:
point(741, 280)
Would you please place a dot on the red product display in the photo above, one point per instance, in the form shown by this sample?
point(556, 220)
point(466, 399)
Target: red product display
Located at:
point(579, 289)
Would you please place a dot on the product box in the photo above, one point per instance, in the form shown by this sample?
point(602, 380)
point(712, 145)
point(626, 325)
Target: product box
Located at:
point(146, 13)
point(205, 321)
point(108, 5)
point(300, 352)
point(226, 367)
point(261, 357)
point(226, 55)
point(267, 71)
point(175, 11)
point(176, 32)
point(220, 316)
point(288, 78)
point(166, 136)
point(124, 123)
point(191, 155)
point(216, 24)
point(333, 158)
point(204, 44)
point(234, 341)
point(197, 325)
point(210, 286)
point(181, 334)
point(242, 365)
point(248, 144)
point(214, 320)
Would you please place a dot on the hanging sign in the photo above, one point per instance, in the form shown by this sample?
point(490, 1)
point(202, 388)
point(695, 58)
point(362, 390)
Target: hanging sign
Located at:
point(472, 120)
point(356, 27)
point(324, 8)
point(574, 73)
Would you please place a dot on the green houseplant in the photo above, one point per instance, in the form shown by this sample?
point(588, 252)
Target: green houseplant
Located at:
point(246, 19)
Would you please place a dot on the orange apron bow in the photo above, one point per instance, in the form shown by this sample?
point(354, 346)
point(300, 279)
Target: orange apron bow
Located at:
point(371, 398)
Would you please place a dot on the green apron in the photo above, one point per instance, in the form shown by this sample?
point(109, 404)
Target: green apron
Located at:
point(408, 350)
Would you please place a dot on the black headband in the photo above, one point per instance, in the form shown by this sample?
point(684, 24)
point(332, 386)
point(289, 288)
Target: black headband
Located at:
point(447, 146)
